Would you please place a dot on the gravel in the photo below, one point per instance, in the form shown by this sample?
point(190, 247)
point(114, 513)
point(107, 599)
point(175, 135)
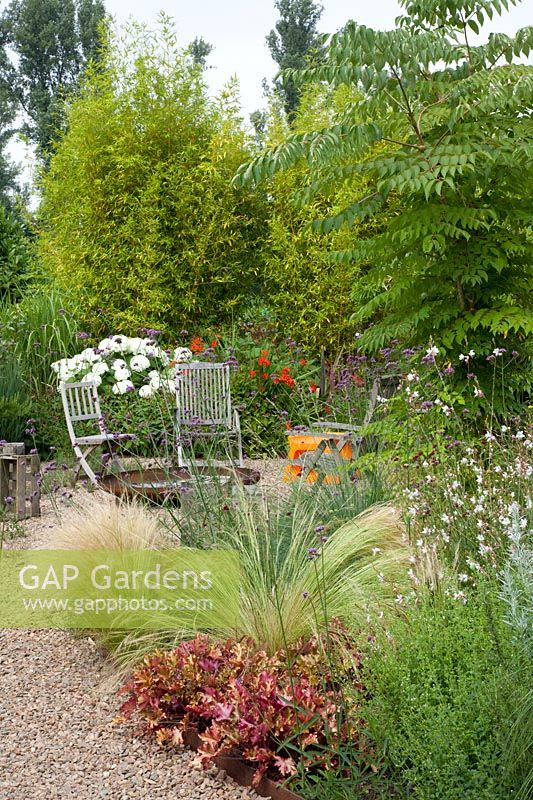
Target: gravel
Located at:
point(57, 737)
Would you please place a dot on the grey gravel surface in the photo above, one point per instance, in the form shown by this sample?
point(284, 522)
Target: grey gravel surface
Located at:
point(57, 737)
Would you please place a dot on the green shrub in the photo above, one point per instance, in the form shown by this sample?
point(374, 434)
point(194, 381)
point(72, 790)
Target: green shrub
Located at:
point(14, 401)
point(439, 694)
point(14, 256)
point(307, 292)
point(40, 329)
point(138, 211)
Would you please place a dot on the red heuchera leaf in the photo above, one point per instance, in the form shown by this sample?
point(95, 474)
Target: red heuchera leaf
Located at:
point(244, 701)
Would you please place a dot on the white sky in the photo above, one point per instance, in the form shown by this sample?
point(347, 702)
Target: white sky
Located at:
point(237, 30)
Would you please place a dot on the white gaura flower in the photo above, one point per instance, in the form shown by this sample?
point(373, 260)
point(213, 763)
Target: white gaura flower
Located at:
point(182, 355)
point(139, 363)
point(122, 374)
point(146, 391)
point(122, 387)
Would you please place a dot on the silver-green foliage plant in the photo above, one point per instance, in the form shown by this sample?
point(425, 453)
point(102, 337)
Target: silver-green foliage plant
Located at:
point(517, 594)
point(443, 126)
point(517, 583)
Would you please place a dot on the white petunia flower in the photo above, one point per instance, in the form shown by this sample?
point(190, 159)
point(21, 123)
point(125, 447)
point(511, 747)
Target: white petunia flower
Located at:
point(139, 363)
point(92, 376)
point(99, 368)
point(122, 374)
point(146, 391)
point(113, 344)
point(182, 355)
point(155, 379)
point(134, 345)
point(89, 355)
point(122, 387)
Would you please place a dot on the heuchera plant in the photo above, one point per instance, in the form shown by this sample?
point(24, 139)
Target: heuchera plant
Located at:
point(245, 702)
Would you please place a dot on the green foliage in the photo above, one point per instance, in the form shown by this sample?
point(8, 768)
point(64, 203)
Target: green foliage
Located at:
point(455, 261)
point(309, 292)
point(35, 331)
point(14, 257)
point(517, 594)
point(291, 43)
point(439, 694)
point(49, 43)
point(301, 565)
point(200, 50)
point(40, 329)
point(138, 208)
point(14, 401)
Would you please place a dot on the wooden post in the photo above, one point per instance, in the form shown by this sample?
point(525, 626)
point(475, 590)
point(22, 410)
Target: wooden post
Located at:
point(20, 487)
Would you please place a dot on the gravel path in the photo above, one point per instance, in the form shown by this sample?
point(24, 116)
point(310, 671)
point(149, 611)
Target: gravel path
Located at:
point(57, 739)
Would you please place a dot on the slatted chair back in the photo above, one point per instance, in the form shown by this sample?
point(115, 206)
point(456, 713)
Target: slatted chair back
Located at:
point(203, 395)
point(80, 404)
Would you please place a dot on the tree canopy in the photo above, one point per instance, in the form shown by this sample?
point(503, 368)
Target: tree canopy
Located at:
point(293, 39)
point(445, 126)
point(46, 45)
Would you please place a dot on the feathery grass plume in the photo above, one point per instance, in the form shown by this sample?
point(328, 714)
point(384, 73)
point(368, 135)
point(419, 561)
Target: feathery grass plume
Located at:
point(287, 589)
point(296, 578)
point(104, 523)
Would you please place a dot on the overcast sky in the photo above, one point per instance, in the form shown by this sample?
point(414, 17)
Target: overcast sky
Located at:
point(237, 30)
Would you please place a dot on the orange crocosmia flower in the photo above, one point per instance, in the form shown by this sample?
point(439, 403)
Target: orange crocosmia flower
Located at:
point(265, 375)
point(313, 387)
point(264, 352)
point(197, 345)
point(253, 373)
point(263, 362)
point(303, 362)
point(214, 343)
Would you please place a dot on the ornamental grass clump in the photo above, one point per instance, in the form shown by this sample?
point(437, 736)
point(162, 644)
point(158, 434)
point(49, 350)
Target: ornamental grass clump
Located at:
point(296, 578)
point(245, 702)
point(102, 522)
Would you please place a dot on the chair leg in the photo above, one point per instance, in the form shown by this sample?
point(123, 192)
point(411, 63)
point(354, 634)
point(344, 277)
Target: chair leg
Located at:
point(84, 465)
point(240, 459)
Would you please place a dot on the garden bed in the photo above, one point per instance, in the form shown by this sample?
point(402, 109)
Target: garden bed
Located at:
point(241, 772)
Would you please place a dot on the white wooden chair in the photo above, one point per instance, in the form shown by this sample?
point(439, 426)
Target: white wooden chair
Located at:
point(204, 408)
point(81, 404)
